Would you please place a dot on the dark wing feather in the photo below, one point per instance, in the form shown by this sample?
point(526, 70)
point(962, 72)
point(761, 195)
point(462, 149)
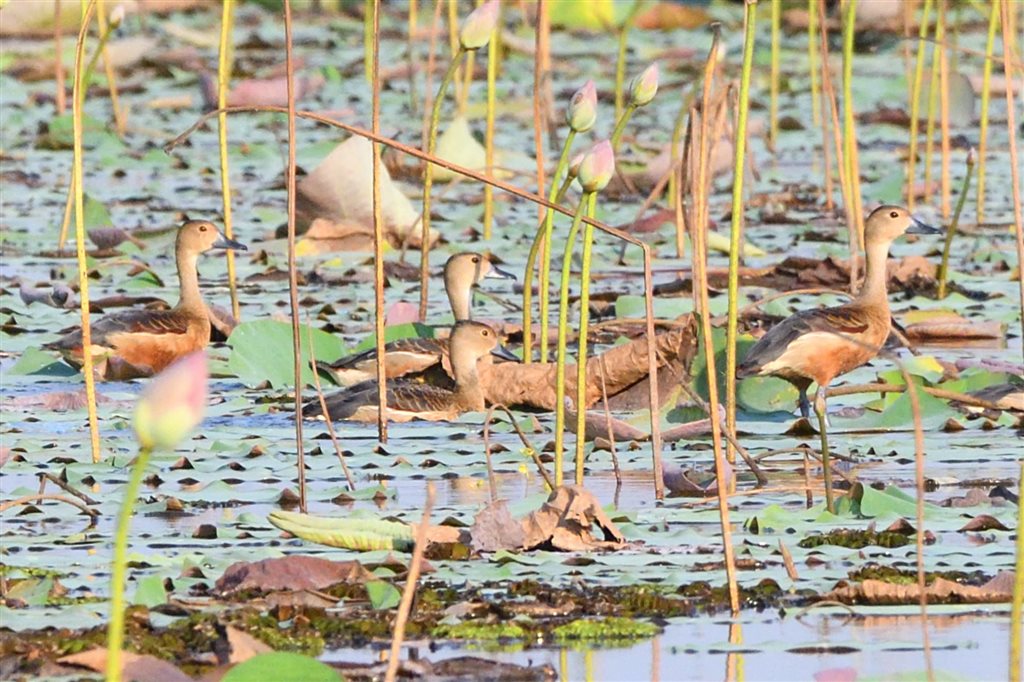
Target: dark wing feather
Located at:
point(846, 319)
point(402, 395)
point(128, 322)
point(436, 347)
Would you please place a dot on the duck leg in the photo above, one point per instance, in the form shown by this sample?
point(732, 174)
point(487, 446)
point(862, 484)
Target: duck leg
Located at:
point(820, 409)
point(805, 405)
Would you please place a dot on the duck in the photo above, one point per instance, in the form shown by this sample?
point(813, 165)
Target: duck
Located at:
point(469, 344)
point(816, 346)
point(405, 357)
point(140, 343)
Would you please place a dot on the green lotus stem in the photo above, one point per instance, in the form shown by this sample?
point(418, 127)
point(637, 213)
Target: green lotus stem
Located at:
point(915, 96)
point(563, 327)
point(115, 631)
point(428, 181)
point(1017, 606)
point(933, 103)
point(850, 154)
point(825, 458)
point(986, 98)
point(812, 60)
point(951, 229)
point(773, 102)
point(563, 189)
point(736, 228)
point(673, 179)
point(492, 77)
point(368, 40)
point(620, 61)
point(104, 38)
point(542, 246)
point(620, 125)
point(223, 76)
point(581, 343)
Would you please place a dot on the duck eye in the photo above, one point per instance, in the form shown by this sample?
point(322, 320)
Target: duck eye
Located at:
point(202, 228)
point(894, 214)
point(476, 259)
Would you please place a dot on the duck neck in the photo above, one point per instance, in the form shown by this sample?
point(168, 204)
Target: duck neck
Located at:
point(467, 381)
point(459, 298)
point(188, 280)
point(875, 275)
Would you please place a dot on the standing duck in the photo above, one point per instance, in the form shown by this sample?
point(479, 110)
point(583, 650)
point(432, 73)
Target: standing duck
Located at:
point(403, 357)
point(139, 343)
point(816, 346)
point(468, 343)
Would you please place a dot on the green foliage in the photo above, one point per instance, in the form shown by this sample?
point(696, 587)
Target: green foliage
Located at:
point(149, 591)
point(383, 595)
point(394, 332)
point(479, 631)
point(604, 629)
point(262, 351)
point(282, 667)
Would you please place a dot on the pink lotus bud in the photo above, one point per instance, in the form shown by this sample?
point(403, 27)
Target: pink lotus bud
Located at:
point(116, 17)
point(479, 25)
point(582, 111)
point(574, 166)
point(598, 167)
point(644, 87)
point(172, 404)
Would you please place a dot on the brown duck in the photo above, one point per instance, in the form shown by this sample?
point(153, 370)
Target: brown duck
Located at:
point(816, 346)
point(140, 343)
point(469, 343)
point(462, 272)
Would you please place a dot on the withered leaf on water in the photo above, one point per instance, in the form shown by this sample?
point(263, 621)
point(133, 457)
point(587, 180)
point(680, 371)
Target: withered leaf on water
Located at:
point(495, 528)
point(136, 668)
point(983, 522)
point(295, 572)
point(564, 522)
point(997, 590)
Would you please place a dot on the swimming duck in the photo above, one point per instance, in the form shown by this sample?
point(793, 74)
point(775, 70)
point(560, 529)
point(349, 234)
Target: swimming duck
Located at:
point(139, 343)
point(816, 346)
point(403, 357)
point(469, 343)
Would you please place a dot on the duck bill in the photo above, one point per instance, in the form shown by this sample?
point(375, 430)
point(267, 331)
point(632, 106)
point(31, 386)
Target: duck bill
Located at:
point(500, 351)
point(225, 243)
point(497, 273)
point(920, 227)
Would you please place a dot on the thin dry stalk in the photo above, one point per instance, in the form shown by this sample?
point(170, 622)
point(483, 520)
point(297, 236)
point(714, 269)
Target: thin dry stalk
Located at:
point(293, 287)
point(77, 104)
point(38, 497)
point(492, 77)
point(410, 54)
point(1011, 129)
point(773, 92)
point(946, 187)
point(323, 408)
point(378, 238)
point(986, 98)
point(812, 60)
point(608, 425)
point(223, 78)
point(405, 605)
point(933, 101)
point(731, 437)
point(850, 148)
point(1017, 606)
point(492, 480)
point(428, 86)
point(108, 70)
point(542, 48)
point(915, 97)
point(941, 393)
point(652, 377)
point(60, 98)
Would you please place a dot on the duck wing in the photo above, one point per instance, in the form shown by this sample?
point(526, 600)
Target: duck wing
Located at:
point(129, 322)
point(848, 319)
point(402, 396)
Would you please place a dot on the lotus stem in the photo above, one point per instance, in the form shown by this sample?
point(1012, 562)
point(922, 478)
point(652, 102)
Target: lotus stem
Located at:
point(675, 196)
point(1011, 130)
point(108, 69)
point(540, 62)
point(620, 60)
point(542, 246)
point(428, 182)
point(915, 106)
point(60, 96)
point(933, 102)
point(944, 134)
point(410, 54)
point(367, 40)
point(492, 77)
point(850, 131)
point(581, 342)
point(118, 573)
point(812, 60)
point(563, 330)
point(773, 102)
point(378, 241)
point(620, 125)
point(77, 104)
point(951, 229)
point(986, 99)
point(1017, 605)
point(826, 464)
point(736, 228)
point(223, 77)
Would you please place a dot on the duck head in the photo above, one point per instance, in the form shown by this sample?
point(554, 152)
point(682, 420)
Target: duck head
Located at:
point(462, 272)
point(200, 236)
point(888, 223)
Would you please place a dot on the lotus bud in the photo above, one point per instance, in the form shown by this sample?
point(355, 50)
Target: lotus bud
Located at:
point(598, 167)
point(479, 25)
point(582, 112)
point(644, 87)
point(172, 404)
point(116, 17)
point(574, 166)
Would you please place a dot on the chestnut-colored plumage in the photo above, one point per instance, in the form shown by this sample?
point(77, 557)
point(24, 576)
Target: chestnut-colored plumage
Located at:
point(469, 343)
point(403, 357)
point(140, 343)
point(816, 346)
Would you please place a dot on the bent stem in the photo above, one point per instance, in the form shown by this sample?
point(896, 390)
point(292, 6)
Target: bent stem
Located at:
point(951, 229)
point(115, 630)
point(223, 76)
point(563, 324)
point(581, 342)
point(819, 409)
point(428, 182)
point(542, 246)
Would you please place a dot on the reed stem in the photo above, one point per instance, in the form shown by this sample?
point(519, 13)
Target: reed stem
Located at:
point(944, 133)
point(224, 63)
point(492, 77)
point(773, 102)
point(581, 341)
point(736, 228)
point(915, 106)
point(410, 53)
point(620, 125)
point(563, 332)
point(1017, 605)
point(378, 239)
point(933, 101)
point(986, 99)
point(850, 150)
point(812, 60)
point(108, 70)
point(947, 247)
point(541, 64)
point(1009, 36)
point(119, 570)
point(367, 40)
point(620, 59)
point(428, 183)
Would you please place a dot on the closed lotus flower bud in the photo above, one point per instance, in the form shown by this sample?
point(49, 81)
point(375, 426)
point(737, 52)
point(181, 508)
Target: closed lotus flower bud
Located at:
point(644, 87)
point(116, 16)
point(582, 112)
point(574, 166)
point(172, 404)
point(598, 167)
point(479, 25)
